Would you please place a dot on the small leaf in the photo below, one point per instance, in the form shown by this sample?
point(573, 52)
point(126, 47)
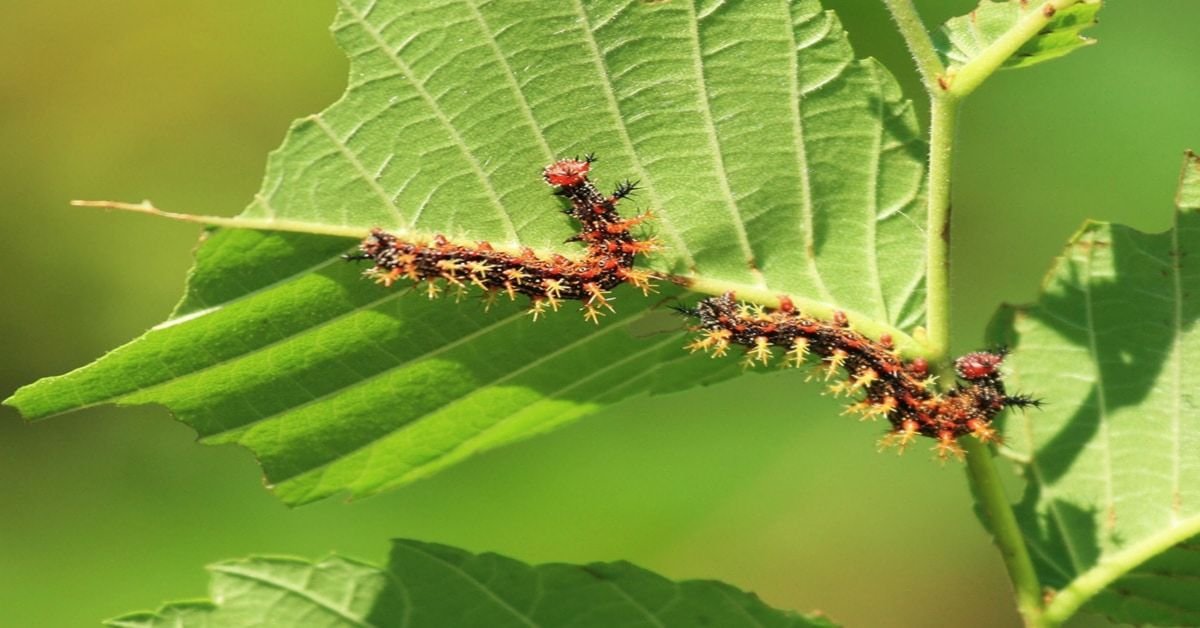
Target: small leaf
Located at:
point(964, 38)
point(774, 161)
point(430, 585)
point(1113, 459)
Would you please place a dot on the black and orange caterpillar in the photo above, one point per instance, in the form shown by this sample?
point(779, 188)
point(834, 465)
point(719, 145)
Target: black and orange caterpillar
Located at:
point(611, 252)
point(902, 392)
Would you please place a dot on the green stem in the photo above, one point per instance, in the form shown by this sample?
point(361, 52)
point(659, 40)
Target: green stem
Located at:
point(943, 114)
point(1003, 523)
point(981, 470)
point(946, 92)
point(908, 22)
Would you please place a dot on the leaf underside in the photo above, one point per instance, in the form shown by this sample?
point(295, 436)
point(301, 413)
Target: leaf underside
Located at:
point(772, 159)
point(1112, 460)
point(963, 38)
point(430, 585)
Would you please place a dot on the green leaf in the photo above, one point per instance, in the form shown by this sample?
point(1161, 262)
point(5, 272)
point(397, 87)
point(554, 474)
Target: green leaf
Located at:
point(430, 585)
point(964, 38)
point(1113, 498)
point(774, 161)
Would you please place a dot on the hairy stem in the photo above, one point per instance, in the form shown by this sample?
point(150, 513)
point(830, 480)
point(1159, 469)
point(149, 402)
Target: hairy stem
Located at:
point(943, 114)
point(946, 91)
point(908, 22)
point(981, 470)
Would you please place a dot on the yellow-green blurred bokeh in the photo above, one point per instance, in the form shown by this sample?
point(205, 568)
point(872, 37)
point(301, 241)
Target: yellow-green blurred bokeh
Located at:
point(755, 482)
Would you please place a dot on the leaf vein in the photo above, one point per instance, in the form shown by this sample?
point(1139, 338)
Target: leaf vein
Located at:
point(800, 145)
point(614, 106)
point(285, 589)
point(356, 163)
point(469, 579)
point(704, 107)
point(436, 109)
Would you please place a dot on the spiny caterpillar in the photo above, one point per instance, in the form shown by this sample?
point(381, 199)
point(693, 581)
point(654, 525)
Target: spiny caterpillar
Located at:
point(547, 281)
point(900, 391)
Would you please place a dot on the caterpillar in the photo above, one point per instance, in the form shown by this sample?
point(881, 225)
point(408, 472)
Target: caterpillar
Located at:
point(902, 392)
point(548, 281)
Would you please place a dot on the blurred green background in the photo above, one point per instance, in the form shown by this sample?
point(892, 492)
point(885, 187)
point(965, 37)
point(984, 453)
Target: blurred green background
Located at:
point(106, 510)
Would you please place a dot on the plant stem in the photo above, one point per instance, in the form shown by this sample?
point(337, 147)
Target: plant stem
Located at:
point(981, 470)
point(946, 92)
point(908, 22)
point(990, 492)
point(943, 114)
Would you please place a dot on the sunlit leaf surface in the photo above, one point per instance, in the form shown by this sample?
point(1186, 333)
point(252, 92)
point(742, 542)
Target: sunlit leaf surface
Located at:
point(774, 162)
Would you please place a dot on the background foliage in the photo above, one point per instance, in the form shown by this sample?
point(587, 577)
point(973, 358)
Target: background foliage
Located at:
point(730, 482)
point(423, 584)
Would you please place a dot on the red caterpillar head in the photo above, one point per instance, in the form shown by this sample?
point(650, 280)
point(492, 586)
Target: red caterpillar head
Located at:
point(978, 366)
point(568, 172)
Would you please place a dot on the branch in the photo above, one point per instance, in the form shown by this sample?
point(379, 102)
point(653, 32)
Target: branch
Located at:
point(946, 93)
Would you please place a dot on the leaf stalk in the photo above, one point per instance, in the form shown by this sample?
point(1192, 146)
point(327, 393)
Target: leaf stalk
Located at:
point(971, 75)
point(1086, 585)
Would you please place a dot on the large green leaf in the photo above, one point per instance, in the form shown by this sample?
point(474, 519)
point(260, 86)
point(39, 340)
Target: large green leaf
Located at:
point(774, 161)
point(429, 585)
point(966, 37)
point(1113, 460)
